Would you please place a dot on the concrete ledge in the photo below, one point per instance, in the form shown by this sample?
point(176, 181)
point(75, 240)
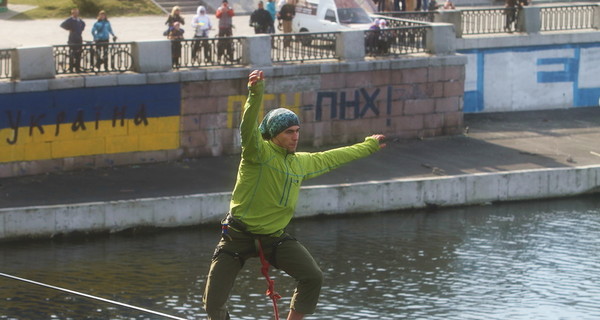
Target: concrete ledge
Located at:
point(473, 189)
point(539, 39)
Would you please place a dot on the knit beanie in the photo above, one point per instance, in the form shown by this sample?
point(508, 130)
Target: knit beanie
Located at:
point(277, 120)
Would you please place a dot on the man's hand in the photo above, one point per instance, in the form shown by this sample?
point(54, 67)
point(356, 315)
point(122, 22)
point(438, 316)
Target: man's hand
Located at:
point(379, 138)
point(255, 76)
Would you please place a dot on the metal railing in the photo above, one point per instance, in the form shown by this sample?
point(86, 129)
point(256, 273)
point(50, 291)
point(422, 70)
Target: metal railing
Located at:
point(207, 52)
point(304, 46)
point(395, 41)
point(572, 17)
point(6, 63)
point(490, 20)
point(93, 58)
point(424, 16)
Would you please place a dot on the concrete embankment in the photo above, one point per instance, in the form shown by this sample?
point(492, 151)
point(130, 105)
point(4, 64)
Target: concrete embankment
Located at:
point(375, 196)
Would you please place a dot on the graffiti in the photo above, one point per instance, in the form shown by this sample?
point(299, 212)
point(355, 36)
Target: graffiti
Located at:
point(359, 108)
point(342, 105)
point(36, 121)
point(532, 78)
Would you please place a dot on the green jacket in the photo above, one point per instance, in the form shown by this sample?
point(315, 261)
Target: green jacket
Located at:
point(269, 178)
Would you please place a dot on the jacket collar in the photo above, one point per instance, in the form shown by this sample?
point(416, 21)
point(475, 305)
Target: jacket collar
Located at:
point(278, 149)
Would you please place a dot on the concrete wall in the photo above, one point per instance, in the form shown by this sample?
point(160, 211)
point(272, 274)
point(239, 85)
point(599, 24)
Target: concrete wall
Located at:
point(96, 121)
point(377, 196)
point(532, 77)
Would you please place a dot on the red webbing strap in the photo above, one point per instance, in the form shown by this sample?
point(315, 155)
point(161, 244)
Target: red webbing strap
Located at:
point(271, 283)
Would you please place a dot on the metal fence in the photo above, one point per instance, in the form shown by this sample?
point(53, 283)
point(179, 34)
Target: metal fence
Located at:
point(423, 16)
point(572, 17)
point(491, 20)
point(304, 46)
point(93, 58)
point(6, 64)
point(206, 52)
point(395, 41)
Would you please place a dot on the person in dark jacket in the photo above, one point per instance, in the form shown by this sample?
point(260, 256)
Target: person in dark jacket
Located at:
point(261, 19)
point(75, 26)
point(287, 14)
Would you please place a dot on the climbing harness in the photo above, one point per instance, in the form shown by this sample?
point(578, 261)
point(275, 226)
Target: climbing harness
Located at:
point(231, 222)
point(270, 282)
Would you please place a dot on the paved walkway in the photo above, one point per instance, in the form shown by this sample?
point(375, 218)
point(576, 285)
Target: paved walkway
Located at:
point(33, 33)
point(499, 142)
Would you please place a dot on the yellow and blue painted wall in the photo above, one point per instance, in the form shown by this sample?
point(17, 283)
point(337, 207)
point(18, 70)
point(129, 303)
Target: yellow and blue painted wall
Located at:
point(89, 121)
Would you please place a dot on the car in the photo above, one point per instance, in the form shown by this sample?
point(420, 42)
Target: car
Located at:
point(332, 15)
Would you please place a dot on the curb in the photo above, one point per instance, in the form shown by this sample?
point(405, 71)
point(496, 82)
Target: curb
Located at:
point(363, 197)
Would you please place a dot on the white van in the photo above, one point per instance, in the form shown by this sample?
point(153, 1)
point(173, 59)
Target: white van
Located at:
point(332, 15)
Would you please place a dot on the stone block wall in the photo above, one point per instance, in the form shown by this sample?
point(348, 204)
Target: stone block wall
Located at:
point(412, 98)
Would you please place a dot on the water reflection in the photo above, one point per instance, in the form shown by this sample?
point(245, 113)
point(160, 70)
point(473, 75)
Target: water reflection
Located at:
point(533, 260)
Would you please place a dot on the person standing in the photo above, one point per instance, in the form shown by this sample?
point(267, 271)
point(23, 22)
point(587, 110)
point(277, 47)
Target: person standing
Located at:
point(287, 14)
point(175, 16)
point(101, 31)
point(225, 46)
point(176, 35)
point(260, 19)
point(201, 23)
point(263, 203)
point(273, 12)
point(510, 10)
point(75, 26)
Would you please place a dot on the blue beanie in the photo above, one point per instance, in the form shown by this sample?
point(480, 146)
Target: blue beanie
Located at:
point(277, 120)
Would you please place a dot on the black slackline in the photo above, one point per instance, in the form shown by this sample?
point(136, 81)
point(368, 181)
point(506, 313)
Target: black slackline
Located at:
point(90, 296)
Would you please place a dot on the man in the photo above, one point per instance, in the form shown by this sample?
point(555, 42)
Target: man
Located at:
point(263, 203)
point(287, 14)
point(225, 14)
point(510, 10)
point(260, 19)
point(224, 46)
point(75, 26)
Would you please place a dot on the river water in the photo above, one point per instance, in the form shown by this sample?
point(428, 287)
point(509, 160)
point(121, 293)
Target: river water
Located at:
point(522, 260)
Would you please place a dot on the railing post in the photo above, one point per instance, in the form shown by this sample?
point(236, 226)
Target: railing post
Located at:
point(257, 51)
point(529, 20)
point(151, 56)
point(596, 17)
point(350, 45)
point(33, 63)
point(452, 17)
point(440, 39)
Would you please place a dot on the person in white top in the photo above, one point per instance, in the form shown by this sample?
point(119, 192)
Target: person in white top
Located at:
point(202, 25)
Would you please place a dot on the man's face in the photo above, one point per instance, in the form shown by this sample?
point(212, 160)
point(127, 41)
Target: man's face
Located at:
point(288, 139)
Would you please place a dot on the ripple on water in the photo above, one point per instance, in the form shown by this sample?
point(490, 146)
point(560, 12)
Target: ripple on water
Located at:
point(532, 260)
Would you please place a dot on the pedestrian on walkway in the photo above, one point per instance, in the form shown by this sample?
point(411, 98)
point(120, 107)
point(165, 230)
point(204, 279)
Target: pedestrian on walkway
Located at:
point(176, 35)
point(273, 12)
point(287, 14)
point(101, 31)
point(263, 203)
point(175, 16)
point(202, 25)
point(260, 19)
point(225, 46)
point(75, 26)
point(510, 10)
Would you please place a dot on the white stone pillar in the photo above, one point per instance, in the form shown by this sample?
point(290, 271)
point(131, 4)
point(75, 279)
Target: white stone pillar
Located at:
point(450, 16)
point(350, 45)
point(529, 20)
point(441, 39)
point(257, 50)
point(33, 63)
point(151, 56)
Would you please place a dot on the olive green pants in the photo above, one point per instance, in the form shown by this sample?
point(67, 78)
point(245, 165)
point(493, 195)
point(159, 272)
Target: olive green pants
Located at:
point(283, 252)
